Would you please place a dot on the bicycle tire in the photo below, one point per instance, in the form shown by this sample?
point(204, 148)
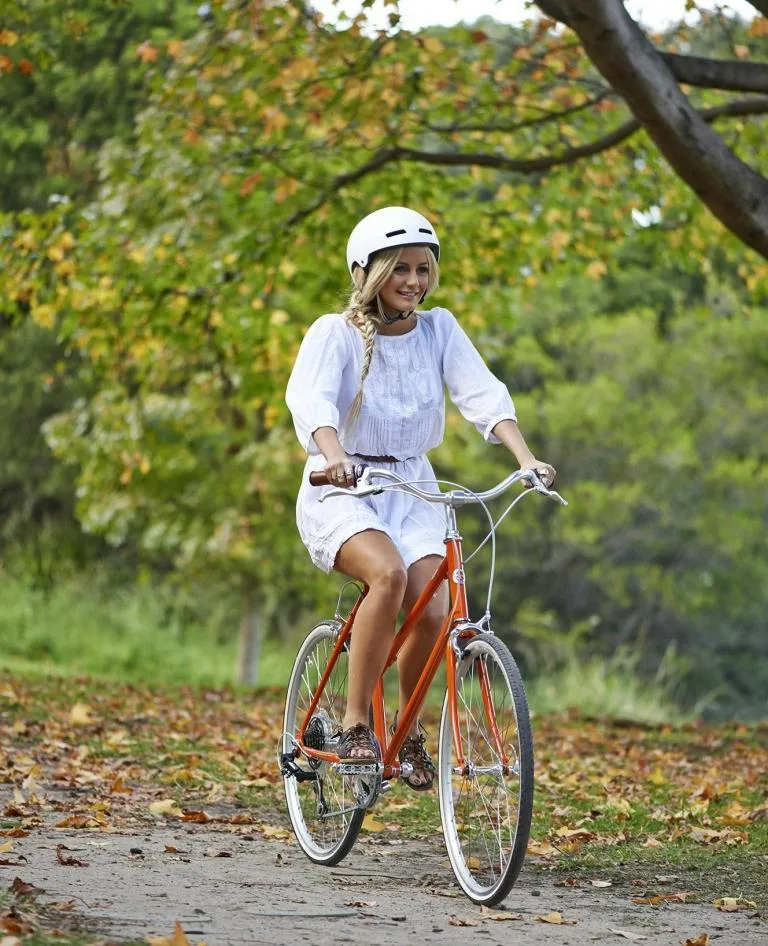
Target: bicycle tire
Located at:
point(486, 808)
point(323, 813)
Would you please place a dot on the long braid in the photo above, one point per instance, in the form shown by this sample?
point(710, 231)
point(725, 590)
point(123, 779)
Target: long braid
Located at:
point(358, 313)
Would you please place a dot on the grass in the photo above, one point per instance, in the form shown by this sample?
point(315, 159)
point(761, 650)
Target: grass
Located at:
point(147, 634)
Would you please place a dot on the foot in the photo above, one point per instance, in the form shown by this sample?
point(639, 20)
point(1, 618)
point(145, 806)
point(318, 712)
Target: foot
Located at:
point(358, 744)
point(414, 752)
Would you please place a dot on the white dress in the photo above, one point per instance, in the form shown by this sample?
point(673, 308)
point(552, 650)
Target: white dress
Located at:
point(402, 416)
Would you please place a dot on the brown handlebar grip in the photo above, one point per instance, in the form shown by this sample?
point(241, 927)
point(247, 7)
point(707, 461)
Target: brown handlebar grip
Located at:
point(318, 478)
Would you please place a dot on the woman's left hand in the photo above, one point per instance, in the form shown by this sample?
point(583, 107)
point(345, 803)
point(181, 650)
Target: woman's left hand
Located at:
point(545, 471)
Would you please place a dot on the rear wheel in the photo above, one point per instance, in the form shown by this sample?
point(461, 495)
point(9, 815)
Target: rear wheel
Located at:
point(324, 813)
point(486, 798)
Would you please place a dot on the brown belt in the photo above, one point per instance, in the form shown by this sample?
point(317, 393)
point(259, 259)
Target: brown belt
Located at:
point(381, 459)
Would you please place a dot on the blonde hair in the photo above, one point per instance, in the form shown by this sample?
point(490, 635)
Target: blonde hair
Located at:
point(364, 309)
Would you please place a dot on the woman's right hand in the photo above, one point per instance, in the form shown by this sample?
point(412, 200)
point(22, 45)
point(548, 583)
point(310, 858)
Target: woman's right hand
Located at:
point(340, 471)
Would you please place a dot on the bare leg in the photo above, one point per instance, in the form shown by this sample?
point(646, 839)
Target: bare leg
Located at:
point(372, 558)
point(418, 645)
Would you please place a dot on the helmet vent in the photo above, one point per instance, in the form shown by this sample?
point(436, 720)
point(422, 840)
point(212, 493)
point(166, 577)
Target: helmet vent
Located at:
point(424, 230)
point(394, 233)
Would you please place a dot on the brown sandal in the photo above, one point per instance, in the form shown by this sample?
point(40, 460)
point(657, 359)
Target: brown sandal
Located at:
point(359, 737)
point(415, 753)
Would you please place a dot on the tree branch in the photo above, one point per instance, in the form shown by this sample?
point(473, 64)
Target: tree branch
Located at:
point(735, 193)
point(750, 106)
point(699, 71)
point(718, 73)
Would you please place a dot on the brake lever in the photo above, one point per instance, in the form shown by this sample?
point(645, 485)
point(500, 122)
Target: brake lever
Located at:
point(537, 485)
point(363, 487)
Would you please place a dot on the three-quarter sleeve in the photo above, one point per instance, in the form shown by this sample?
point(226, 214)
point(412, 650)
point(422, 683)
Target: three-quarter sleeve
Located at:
point(313, 388)
point(480, 396)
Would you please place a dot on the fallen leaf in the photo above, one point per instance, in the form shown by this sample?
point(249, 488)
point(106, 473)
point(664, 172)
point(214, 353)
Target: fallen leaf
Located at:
point(118, 787)
point(197, 816)
point(499, 915)
point(462, 921)
point(20, 888)
point(177, 938)
point(371, 824)
point(732, 904)
point(172, 849)
point(360, 903)
point(628, 934)
point(701, 940)
point(601, 883)
point(555, 918)
point(6, 847)
point(66, 860)
point(80, 715)
point(542, 849)
point(165, 807)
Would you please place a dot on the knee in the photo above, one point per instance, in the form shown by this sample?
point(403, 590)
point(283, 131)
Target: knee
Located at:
point(390, 580)
point(432, 619)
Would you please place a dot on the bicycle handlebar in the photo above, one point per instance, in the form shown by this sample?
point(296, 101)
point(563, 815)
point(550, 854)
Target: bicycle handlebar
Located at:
point(364, 487)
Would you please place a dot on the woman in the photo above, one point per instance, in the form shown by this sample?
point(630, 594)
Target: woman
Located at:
point(368, 386)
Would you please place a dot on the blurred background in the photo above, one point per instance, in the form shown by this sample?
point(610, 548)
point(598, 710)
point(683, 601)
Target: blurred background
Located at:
point(177, 184)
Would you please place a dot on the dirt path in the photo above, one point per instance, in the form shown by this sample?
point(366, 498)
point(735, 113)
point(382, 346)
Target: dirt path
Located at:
point(231, 890)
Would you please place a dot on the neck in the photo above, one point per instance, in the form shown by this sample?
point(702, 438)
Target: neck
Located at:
point(391, 319)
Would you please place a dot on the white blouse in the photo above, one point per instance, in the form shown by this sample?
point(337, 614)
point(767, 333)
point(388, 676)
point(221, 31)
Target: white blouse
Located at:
point(403, 410)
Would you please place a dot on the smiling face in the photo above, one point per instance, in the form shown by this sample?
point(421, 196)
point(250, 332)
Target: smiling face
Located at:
point(405, 288)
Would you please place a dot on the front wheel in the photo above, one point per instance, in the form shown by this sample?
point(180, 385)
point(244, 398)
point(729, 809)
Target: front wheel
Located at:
point(486, 784)
point(324, 812)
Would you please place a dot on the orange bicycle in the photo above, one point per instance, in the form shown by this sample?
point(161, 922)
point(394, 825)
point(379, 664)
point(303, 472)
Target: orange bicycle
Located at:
point(485, 745)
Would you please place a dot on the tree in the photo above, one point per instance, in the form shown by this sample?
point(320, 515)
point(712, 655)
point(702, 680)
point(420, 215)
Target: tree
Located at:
point(71, 77)
point(648, 81)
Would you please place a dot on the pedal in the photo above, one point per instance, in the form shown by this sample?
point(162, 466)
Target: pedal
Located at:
point(357, 768)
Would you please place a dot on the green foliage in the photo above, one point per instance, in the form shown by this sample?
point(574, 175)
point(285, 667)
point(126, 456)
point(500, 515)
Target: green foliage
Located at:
point(71, 78)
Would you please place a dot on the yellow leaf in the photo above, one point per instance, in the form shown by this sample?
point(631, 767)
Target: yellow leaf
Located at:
point(8, 38)
point(732, 904)
point(216, 100)
point(701, 940)
point(80, 715)
point(278, 317)
point(432, 45)
point(44, 316)
point(165, 807)
point(371, 824)
point(284, 189)
point(6, 847)
point(541, 849)
point(596, 269)
point(555, 918)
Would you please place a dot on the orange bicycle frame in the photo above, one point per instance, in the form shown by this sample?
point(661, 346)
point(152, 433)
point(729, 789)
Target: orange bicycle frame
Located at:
point(450, 568)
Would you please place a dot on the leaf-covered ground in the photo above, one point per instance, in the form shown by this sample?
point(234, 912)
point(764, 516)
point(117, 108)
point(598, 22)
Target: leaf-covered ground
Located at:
point(662, 815)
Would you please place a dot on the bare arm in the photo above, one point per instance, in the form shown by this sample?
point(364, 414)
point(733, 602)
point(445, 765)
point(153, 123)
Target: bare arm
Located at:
point(511, 436)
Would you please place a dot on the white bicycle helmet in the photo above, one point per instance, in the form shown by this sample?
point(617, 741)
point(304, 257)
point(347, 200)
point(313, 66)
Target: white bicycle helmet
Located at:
point(388, 227)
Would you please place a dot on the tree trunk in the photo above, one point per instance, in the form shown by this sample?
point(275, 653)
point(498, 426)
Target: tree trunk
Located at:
point(251, 633)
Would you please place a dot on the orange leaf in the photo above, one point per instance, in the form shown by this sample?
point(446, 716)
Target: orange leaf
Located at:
point(198, 816)
point(146, 52)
